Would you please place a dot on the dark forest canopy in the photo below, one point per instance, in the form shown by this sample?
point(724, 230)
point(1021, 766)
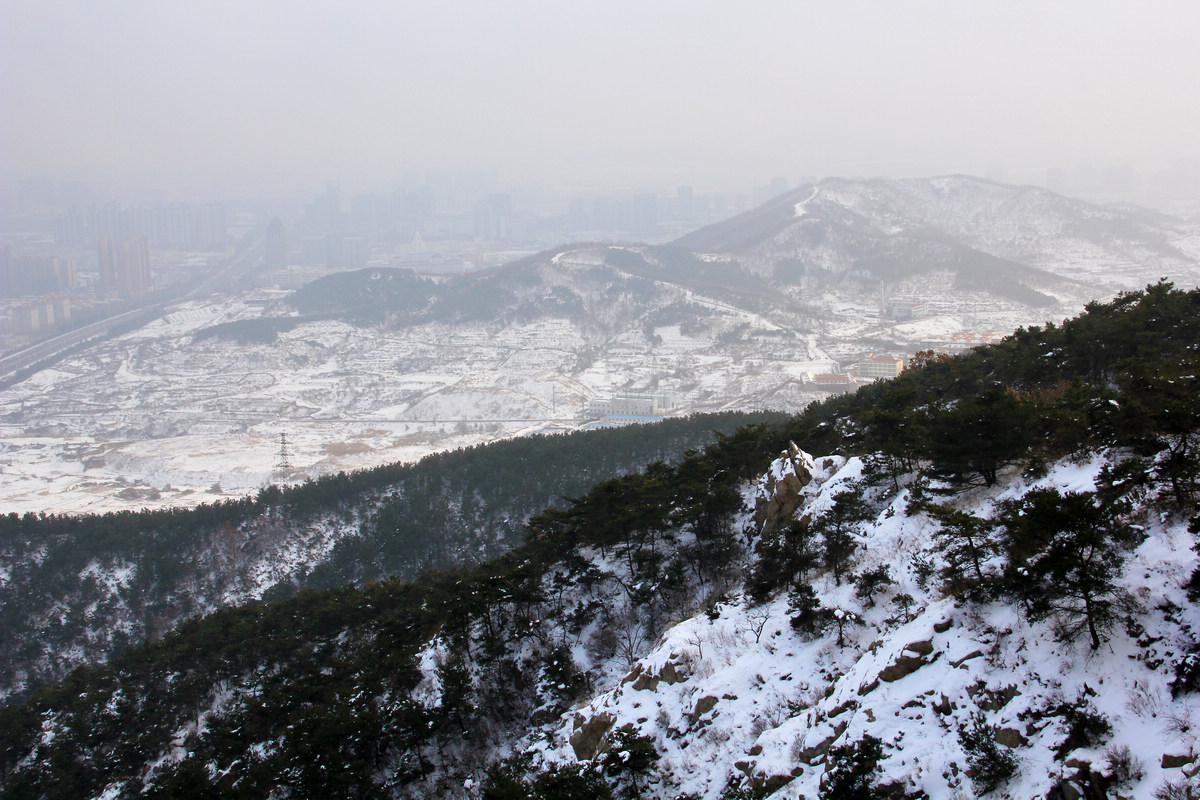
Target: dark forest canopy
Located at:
point(458, 507)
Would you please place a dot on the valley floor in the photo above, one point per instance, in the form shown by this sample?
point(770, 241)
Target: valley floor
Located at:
point(160, 417)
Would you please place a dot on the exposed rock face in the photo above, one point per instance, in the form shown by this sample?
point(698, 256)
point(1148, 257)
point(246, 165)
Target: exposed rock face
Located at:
point(1175, 762)
point(703, 706)
point(585, 741)
point(808, 755)
point(1011, 737)
point(905, 665)
point(764, 708)
point(644, 681)
point(778, 494)
point(902, 667)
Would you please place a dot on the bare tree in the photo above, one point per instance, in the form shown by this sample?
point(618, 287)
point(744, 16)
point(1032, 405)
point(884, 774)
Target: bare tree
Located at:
point(758, 618)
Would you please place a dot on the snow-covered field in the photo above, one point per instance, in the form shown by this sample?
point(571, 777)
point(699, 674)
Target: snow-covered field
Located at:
point(162, 417)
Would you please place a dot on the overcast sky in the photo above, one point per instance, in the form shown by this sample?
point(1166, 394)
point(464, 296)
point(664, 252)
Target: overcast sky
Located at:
point(619, 92)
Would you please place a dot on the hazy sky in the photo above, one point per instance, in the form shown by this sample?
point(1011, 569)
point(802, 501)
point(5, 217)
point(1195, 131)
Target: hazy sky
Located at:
point(624, 92)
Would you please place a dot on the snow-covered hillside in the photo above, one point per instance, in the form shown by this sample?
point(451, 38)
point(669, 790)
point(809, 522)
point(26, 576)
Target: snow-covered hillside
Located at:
point(989, 587)
point(1078, 240)
point(736, 696)
point(890, 230)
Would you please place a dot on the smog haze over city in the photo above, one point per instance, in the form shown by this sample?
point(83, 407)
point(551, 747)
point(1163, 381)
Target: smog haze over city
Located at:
point(669, 399)
point(255, 242)
point(196, 100)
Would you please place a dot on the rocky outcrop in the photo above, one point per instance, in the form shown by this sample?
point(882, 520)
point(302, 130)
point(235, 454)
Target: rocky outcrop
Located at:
point(645, 681)
point(1010, 737)
point(778, 495)
point(1176, 761)
point(905, 665)
point(703, 706)
point(589, 733)
point(808, 755)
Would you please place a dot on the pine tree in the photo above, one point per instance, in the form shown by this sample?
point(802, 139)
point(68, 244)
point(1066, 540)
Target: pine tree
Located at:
point(1160, 417)
point(976, 436)
point(835, 527)
point(990, 763)
point(1064, 555)
point(853, 772)
point(808, 617)
point(872, 581)
point(965, 542)
point(786, 555)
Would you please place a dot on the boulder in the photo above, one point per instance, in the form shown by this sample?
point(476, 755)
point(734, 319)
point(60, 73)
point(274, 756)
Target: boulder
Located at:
point(588, 735)
point(922, 648)
point(644, 681)
point(966, 658)
point(670, 675)
point(810, 754)
point(902, 667)
point(842, 708)
point(994, 700)
point(1175, 762)
point(772, 784)
point(703, 706)
point(1011, 737)
point(1067, 791)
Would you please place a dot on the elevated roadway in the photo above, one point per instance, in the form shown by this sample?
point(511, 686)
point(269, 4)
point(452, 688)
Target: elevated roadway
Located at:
point(243, 263)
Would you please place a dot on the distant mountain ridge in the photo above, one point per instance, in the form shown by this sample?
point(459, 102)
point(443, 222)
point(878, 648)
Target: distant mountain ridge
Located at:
point(1022, 244)
point(603, 287)
point(889, 229)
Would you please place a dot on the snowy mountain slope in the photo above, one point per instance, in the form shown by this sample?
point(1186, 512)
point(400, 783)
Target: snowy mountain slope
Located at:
point(66, 602)
point(736, 696)
point(604, 290)
point(893, 228)
point(74, 590)
point(1041, 228)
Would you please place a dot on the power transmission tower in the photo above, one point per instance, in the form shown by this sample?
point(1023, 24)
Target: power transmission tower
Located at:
point(283, 463)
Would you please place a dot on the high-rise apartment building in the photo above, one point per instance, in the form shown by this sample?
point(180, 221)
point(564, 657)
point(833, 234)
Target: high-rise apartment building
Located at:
point(33, 275)
point(493, 218)
point(178, 226)
point(276, 245)
point(124, 265)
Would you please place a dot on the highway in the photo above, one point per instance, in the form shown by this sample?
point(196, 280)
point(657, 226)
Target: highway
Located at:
point(243, 263)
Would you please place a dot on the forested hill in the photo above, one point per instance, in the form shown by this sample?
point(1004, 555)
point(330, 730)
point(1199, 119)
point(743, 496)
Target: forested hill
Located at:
point(984, 585)
point(1048, 389)
point(78, 588)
